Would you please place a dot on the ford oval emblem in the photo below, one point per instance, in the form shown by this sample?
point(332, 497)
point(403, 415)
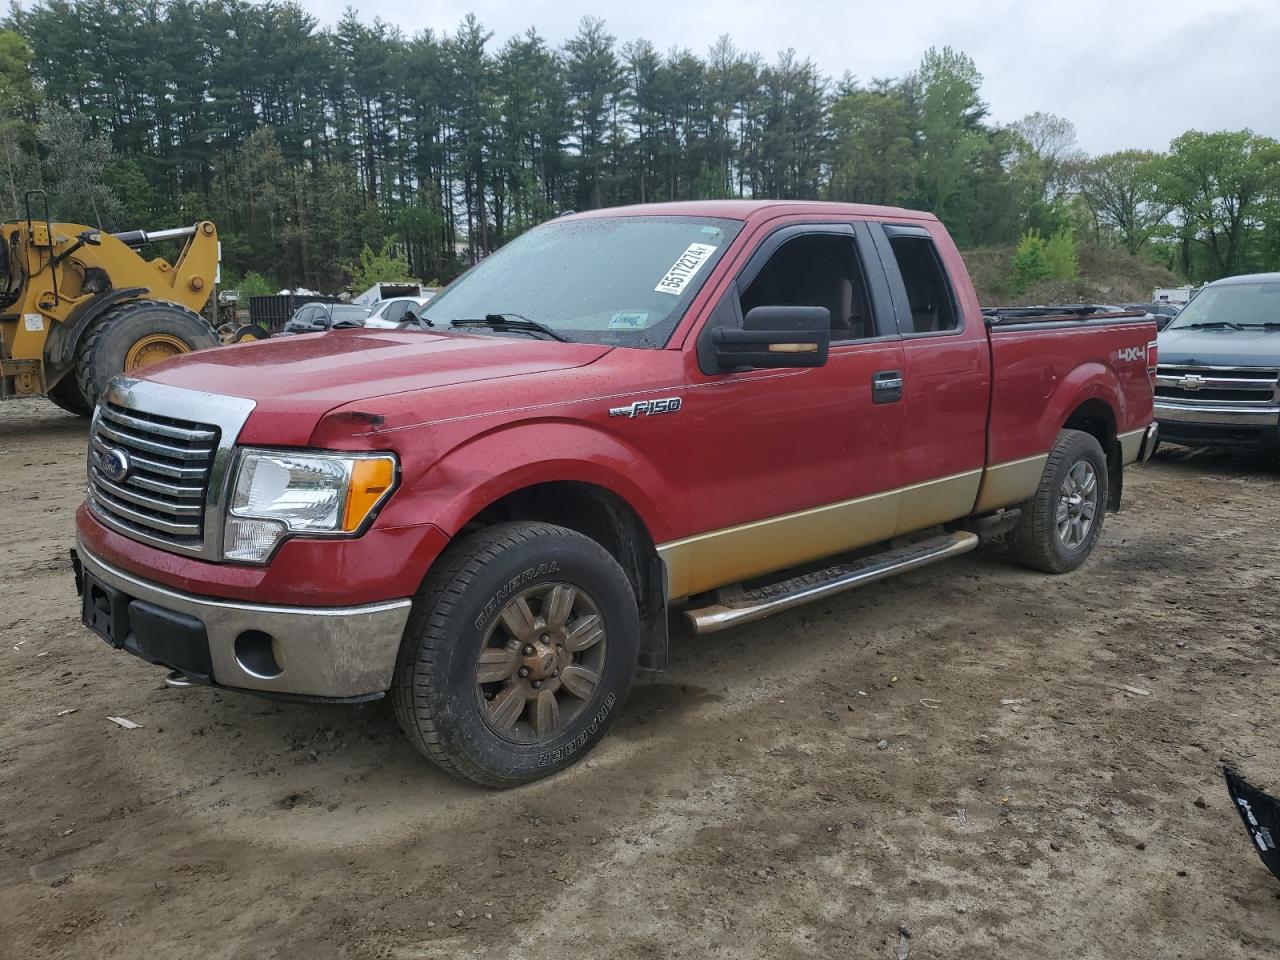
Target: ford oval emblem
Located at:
point(113, 463)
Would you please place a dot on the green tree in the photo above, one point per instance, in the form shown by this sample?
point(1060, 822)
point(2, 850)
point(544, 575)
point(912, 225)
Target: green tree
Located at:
point(1119, 190)
point(19, 102)
point(1219, 185)
point(1029, 265)
point(74, 158)
point(594, 80)
point(383, 265)
point(868, 127)
point(952, 138)
point(1059, 256)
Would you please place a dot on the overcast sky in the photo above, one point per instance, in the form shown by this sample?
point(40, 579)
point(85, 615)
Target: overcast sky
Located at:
point(1127, 73)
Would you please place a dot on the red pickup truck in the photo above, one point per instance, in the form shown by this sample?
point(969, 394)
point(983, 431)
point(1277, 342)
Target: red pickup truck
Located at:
point(726, 408)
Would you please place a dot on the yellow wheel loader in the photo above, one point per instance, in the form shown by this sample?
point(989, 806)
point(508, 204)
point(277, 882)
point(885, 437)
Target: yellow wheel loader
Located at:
point(78, 306)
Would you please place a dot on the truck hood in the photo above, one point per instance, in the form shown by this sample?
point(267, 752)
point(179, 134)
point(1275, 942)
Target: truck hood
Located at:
point(296, 380)
point(1220, 348)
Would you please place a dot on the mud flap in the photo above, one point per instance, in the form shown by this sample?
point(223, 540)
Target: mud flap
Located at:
point(1260, 814)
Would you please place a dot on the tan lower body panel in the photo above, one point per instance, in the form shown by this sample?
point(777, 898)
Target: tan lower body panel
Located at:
point(710, 560)
point(1008, 483)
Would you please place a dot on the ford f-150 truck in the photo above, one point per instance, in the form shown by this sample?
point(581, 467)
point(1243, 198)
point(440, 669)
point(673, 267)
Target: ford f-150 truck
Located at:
point(722, 408)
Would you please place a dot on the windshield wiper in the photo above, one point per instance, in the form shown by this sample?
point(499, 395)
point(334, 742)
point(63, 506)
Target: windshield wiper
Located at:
point(1266, 325)
point(1207, 325)
point(510, 321)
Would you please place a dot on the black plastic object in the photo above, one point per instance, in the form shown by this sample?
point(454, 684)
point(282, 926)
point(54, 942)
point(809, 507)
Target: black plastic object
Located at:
point(1261, 816)
point(166, 637)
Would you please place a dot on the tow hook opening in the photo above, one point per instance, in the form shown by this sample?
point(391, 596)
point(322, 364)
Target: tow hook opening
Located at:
point(259, 655)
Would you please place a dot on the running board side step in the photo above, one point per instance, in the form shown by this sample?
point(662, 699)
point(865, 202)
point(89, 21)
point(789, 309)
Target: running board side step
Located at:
point(784, 595)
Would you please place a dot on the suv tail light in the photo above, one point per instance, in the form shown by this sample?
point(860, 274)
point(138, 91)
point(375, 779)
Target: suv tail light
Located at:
point(1153, 362)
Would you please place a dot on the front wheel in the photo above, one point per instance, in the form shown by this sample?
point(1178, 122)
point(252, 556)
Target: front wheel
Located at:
point(518, 654)
point(1061, 523)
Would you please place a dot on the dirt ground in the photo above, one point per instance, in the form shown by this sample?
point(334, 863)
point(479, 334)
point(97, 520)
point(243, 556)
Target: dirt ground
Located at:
point(744, 806)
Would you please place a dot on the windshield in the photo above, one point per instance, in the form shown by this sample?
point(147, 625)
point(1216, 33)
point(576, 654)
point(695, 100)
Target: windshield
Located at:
point(348, 313)
point(1240, 304)
point(621, 281)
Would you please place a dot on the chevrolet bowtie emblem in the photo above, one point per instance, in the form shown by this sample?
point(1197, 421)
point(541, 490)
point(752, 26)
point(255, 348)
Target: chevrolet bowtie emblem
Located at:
point(1191, 382)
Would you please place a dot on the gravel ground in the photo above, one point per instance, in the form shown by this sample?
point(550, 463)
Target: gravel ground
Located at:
point(946, 764)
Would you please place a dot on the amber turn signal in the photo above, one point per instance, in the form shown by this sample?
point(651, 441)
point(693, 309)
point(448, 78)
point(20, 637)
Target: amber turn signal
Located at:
point(370, 480)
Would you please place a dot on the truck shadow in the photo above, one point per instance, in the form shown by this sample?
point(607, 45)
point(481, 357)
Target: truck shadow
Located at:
point(1225, 460)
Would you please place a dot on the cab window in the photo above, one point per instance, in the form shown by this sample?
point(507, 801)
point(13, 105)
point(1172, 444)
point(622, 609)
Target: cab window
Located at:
point(932, 307)
point(816, 270)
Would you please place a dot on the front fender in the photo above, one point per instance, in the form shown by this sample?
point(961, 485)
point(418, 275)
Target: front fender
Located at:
point(487, 467)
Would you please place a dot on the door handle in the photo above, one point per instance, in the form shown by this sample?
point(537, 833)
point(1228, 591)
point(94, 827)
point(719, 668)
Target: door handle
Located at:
point(886, 386)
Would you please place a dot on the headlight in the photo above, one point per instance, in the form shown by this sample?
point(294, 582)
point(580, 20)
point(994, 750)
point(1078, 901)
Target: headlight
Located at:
point(313, 494)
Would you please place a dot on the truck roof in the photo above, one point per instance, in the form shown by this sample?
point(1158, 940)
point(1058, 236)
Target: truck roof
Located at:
point(749, 210)
point(1247, 278)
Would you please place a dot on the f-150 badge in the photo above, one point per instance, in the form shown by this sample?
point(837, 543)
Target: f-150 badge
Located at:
point(647, 408)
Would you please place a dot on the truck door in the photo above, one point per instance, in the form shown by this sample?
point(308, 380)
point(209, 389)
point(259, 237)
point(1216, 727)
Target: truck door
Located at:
point(946, 383)
point(795, 464)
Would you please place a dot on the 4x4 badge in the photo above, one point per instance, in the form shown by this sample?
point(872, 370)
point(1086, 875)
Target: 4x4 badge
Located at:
point(647, 408)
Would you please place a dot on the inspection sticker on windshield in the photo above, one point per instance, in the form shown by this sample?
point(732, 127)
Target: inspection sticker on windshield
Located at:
point(685, 269)
point(628, 321)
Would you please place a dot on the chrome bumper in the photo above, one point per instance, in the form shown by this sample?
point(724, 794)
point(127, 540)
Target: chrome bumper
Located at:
point(322, 652)
point(1225, 414)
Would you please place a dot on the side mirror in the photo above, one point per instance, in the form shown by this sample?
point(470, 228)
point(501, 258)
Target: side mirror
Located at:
point(775, 337)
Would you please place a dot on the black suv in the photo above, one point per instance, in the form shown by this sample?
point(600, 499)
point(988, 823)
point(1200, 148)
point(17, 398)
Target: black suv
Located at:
point(315, 317)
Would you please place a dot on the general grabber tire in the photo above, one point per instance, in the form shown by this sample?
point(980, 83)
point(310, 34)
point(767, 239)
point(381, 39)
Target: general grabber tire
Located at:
point(1061, 523)
point(518, 653)
point(134, 335)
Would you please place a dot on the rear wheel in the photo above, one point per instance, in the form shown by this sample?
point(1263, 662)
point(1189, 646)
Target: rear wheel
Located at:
point(1060, 525)
point(518, 655)
point(136, 335)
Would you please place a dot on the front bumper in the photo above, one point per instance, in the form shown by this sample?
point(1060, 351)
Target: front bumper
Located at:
point(1218, 424)
point(328, 653)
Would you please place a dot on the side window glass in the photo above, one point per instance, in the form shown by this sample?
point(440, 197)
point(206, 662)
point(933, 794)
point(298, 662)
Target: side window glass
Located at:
point(817, 270)
point(933, 309)
point(321, 320)
point(399, 311)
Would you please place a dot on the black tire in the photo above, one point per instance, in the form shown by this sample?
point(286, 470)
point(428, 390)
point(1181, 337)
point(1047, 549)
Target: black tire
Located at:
point(436, 692)
point(101, 352)
point(250, 332)
point(66, 394)
point(1037, 541)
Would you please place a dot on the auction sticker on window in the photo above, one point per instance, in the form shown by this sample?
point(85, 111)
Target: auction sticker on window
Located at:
point(685, 269)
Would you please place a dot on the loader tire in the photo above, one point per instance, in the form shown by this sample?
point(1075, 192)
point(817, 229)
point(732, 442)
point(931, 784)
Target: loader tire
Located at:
point(1060, 524)
point(66, 394)
point(133, 336)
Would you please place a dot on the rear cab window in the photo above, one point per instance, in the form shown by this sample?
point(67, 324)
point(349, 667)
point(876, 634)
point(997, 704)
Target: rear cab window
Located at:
point(926, 301)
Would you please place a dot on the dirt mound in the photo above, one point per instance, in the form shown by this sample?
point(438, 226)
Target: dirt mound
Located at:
point(1106, 276)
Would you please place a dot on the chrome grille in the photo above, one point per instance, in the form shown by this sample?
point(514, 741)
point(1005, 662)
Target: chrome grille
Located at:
point(149, 474)
point(1218, 385)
